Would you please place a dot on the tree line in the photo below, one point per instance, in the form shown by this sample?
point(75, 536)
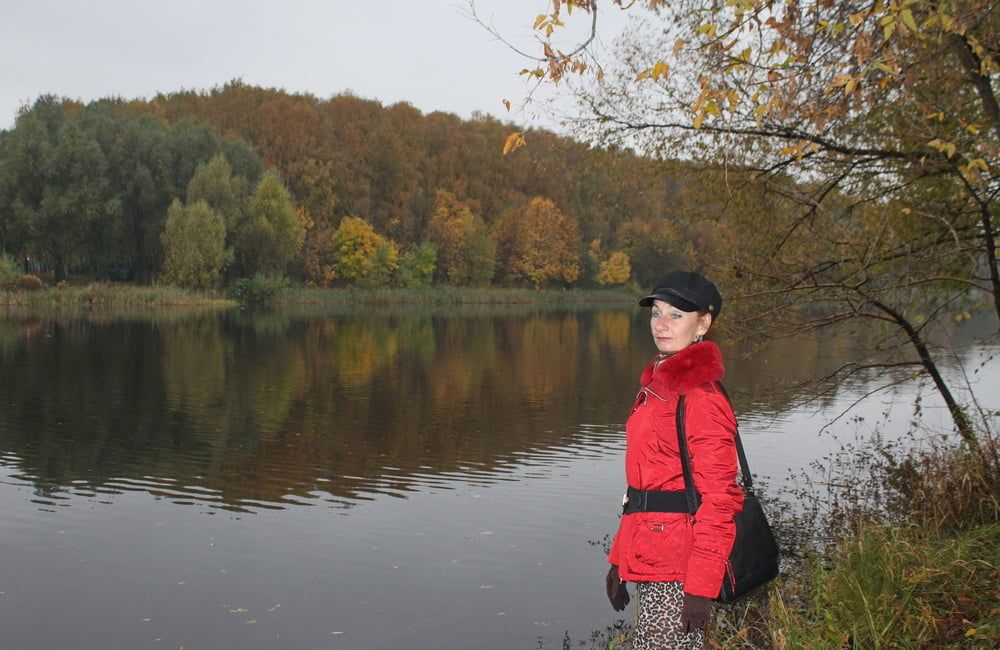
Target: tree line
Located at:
point(197, 188)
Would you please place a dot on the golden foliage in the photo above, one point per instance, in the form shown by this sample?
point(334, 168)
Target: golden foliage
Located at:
point(538, 244)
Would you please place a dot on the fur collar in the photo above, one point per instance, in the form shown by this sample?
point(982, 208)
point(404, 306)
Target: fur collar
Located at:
point(693, 366)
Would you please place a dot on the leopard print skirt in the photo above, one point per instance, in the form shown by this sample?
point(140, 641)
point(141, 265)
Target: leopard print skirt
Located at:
point(658, 613)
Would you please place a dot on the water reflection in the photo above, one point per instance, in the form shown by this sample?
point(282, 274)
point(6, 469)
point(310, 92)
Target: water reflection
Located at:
point(251, 411)
point(245, 410)
point(248, 410)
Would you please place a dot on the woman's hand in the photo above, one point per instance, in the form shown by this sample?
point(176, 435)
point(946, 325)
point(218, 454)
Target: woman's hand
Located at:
point(695, 613)
point(617, 593)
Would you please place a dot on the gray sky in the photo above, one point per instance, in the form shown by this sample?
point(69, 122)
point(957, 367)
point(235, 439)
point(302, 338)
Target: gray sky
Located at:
point(426, 52)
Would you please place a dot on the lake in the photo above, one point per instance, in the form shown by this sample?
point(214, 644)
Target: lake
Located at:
point(345, 478)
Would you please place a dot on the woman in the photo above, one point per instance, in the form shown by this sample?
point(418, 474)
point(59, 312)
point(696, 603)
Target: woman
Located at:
point(677, 560)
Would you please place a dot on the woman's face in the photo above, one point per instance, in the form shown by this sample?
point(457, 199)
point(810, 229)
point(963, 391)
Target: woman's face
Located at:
point(673, 329)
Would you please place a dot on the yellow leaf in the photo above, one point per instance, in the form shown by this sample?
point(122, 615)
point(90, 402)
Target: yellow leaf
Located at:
point(661, 69)
point(888, 30)
point(849, 86)
point(539, 21)
point(698, 119)
point(907, 19)
point(513, 142)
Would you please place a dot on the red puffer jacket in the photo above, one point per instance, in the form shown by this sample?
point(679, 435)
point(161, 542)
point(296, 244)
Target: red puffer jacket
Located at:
point(675, 547)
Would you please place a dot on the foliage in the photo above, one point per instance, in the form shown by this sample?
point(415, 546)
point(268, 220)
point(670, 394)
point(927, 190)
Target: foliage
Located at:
point(260, 289)
point(213, 182)
point(194, 244)
point(360, 254)
point(466, 253)
point(87, 188)
point(272, 234)
point(615, 270)
point(538, 244)
point(9, 269)
point(416, 266)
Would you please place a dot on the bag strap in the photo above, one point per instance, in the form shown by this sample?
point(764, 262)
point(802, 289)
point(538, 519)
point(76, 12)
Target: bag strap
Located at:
point(693, 498)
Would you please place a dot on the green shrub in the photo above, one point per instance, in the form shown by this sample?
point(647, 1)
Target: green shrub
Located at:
point(260, 289)
point(10, 270)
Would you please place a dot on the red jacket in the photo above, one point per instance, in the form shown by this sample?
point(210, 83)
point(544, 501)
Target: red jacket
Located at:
point(668, 546)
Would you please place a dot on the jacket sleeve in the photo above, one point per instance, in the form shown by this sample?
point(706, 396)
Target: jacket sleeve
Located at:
point(711, 435)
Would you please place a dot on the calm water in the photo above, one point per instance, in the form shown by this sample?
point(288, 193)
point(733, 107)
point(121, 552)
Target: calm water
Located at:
point(322, 480)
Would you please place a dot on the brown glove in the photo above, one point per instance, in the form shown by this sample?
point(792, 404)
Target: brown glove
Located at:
point(695, 613)
point(617, 593)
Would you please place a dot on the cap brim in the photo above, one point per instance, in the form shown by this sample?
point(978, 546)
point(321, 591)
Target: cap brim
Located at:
point(675, 301)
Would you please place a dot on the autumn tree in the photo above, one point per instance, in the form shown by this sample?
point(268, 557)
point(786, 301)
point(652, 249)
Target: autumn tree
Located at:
point(194, 244)
point(615, 270)
point(539, 244)
point(466, 255)
point(867, 130)
point(360, 255)
point(272, 233)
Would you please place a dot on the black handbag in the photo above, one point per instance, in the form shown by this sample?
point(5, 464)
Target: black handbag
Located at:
point(753, 561)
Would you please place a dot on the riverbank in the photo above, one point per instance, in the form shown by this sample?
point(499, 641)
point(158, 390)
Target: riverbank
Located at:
point(126, 295)
point(891, 550)
point(111, 295)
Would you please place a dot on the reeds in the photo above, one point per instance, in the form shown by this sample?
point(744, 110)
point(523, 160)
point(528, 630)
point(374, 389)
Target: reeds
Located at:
point(886, 549)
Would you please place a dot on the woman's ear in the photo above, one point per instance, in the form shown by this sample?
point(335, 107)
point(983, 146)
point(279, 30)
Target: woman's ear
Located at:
point(704, 323)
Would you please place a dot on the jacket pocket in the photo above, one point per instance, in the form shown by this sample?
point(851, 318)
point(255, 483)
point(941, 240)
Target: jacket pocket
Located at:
point(661, 543)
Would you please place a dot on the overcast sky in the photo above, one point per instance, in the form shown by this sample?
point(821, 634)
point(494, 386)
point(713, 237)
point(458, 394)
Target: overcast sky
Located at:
point(426, 52)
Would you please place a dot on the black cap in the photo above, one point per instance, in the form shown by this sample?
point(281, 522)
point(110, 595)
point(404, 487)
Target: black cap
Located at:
point(686, 291)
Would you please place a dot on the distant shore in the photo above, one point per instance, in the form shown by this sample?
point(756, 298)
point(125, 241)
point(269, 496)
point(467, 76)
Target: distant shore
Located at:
point(129, 295)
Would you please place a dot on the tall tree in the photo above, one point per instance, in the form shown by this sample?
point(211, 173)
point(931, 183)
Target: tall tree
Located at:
point(272, 234)
point(361, 255)
point(539, 244)
point(194, 244)
point(465, 252)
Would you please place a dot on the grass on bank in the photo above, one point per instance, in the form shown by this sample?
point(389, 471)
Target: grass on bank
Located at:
point(895, 549)
point(444, 295)
point(266, 291)
point(111, 295)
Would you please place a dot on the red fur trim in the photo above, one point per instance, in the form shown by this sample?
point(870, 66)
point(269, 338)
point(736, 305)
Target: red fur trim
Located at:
point(693, 366)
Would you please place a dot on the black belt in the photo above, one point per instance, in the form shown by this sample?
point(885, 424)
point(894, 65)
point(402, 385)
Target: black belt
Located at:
point(655, 501)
